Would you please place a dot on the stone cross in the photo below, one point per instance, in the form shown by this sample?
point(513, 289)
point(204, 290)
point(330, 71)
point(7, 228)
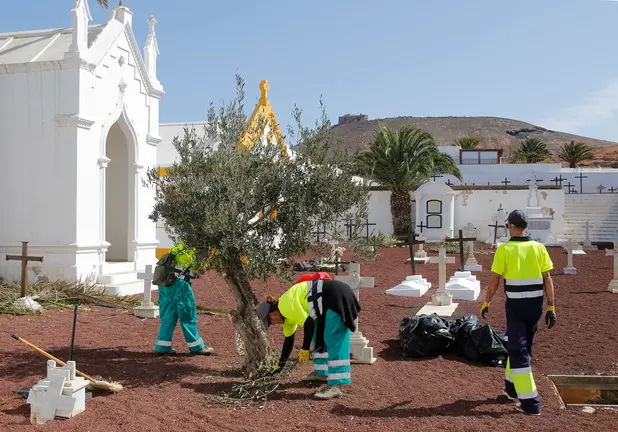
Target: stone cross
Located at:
point(420, 253)
point(471, 261)
point(461, 239)
point(442, 260)
point(570, 246)
point(147, 309)
point(587, 242)
point(359, 345)
point(52, 400)
point(24, 258)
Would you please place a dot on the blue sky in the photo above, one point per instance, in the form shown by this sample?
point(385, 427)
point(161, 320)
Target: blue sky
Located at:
point(549, 62)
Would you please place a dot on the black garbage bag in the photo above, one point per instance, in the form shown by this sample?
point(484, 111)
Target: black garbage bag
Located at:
point(424, 336)
point(478, 343)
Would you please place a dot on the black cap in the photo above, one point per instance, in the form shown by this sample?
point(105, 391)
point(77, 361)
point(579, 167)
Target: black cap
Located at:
point(517, 218)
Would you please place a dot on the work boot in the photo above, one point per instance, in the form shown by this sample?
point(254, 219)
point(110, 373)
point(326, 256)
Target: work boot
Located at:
point(329, 392)
point(509, 396)
point(313, 377)
point(204, 351)
point(520, 409)
point(171, 352)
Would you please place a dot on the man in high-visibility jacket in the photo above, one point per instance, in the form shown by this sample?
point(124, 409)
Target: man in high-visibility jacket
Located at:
point(177, 303)
point(525, 265)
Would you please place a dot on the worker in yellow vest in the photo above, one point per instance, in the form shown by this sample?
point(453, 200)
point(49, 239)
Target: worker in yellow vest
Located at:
point(525, 265)
point(327, 311)
point(177, 303)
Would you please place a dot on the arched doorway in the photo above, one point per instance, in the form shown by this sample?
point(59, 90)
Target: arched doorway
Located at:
point(118, 196)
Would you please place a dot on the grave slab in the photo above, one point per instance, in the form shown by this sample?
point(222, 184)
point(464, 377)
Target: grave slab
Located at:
point(463, 286)
point(442, 311)
point(413, 286)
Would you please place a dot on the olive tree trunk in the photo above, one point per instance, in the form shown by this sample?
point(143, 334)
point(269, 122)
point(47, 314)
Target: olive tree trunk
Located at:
point(401, 206)
point(259, 355)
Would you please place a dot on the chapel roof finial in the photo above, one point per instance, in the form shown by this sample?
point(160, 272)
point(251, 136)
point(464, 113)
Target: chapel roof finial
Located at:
point(264, 92)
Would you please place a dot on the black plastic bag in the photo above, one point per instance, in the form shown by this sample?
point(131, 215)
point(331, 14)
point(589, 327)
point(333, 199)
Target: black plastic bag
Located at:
point(478, 343)
point(424, 336)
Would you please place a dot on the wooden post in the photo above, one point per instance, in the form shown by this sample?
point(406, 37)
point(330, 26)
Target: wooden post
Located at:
point(24, 258)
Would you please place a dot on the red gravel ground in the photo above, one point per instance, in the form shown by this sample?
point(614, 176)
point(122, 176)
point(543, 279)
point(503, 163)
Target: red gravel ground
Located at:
point(393, 394)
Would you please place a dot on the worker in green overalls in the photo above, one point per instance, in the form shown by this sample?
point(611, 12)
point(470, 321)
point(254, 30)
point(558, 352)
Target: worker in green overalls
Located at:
point(177, 303)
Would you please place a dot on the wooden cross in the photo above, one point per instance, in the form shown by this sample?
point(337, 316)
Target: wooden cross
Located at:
point(506, 181)
point(448, 182)
point(461, 239)
point(611, 189)
point(435, 176)
point(337, 262)
point(367, 225)
point(569, 187)
point(318, 233)
point(495, 226)
point(411, 241)
point(557, 180)
point(24, 258)
point(581, 178)
point(535, 179)
point(349, 228)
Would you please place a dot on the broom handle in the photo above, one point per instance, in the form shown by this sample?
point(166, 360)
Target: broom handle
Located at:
point(49, 356)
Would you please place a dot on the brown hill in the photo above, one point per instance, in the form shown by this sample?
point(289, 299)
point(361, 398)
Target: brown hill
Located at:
point(355, 131)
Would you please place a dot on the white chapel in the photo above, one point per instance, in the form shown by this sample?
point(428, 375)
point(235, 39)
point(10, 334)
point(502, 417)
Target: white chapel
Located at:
point(79, 126)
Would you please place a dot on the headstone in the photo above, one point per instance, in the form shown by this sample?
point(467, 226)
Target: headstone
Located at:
point(441, 302)
point(613, 285)
point(420, 256)
point(463, 285)
point(570, 246)
point(471, 263)
point(539, 224)
point(587, 243)
point(60, 394)
point(147, 309)
point(360, 350)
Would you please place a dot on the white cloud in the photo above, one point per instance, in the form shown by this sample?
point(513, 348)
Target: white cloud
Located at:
point(598, 108)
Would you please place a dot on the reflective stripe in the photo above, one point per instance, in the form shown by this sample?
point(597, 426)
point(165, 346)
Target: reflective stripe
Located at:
point(317, 355)
point(508, 378)
point(318, 292)
point(320, 367)
point(521, 371)
point(339, 376)
point(163, 343)
point(194, 344)
point(525, 294)
point(338, 363)
point(530, 395)
point(319, 287)
point(520, 282)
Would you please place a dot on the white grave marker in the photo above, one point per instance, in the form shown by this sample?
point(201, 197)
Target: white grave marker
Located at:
point(570, 246)
point(441, 302)
point(587, 242)
point(471, 263)
point(147, 309)
point(359, 345)
point(61, 394)
point(613, 285)
point(420, 256)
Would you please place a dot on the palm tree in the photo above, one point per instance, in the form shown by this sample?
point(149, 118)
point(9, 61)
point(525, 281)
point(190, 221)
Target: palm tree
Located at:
point(402, 161)
point(574, 153)
point(532, 150)
point(102, 3)
point(468, 142)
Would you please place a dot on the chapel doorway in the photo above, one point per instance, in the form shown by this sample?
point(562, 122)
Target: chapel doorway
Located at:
point(117, 196)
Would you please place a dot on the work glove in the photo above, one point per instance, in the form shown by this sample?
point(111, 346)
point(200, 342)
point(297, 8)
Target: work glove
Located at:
point(276, 369)
point(550, 316)
point(484, 310)
point(303, 356)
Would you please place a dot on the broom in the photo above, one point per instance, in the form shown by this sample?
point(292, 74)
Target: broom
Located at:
point(103, 385)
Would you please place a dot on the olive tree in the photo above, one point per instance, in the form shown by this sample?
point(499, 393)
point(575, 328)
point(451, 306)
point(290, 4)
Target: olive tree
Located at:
point(245, 209)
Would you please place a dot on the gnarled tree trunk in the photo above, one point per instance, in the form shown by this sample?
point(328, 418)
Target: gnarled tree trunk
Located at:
point(401, 206)
point(259, 355)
